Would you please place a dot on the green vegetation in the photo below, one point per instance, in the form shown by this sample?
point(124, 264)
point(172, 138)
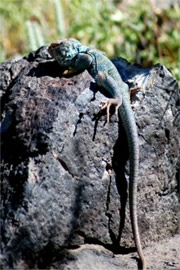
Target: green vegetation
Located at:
point(136, 30)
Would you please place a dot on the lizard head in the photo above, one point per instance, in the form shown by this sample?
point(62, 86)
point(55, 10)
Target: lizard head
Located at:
point(64, 51)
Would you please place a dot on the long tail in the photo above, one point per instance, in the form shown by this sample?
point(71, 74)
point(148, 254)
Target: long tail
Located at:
point(131, 131)
point(120, 91)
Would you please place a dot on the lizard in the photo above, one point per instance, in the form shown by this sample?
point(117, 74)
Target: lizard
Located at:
point(71, 54)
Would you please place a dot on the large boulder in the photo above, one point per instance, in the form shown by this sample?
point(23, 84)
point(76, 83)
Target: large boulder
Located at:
point(64, 184)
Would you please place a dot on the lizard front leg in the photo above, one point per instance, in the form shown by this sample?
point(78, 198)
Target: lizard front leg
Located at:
point(105, 80)
point(83, 61)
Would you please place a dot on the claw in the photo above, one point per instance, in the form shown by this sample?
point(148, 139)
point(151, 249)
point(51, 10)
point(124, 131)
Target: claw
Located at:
point(106, 104)
point(134, 90)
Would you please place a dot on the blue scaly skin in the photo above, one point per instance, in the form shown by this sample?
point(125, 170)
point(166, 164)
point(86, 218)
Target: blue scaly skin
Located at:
point(71, 54)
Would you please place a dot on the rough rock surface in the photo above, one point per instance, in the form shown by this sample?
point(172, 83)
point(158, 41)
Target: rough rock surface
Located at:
point(64, 188)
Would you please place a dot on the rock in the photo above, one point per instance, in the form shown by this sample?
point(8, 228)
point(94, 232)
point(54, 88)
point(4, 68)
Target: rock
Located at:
point(57, 152)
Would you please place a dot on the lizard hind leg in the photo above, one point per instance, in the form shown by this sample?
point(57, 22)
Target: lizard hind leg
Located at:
point(106, 104)
point(105, 80)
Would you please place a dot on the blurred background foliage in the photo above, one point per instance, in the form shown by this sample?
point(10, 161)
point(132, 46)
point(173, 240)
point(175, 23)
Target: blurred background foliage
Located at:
point(141, 31)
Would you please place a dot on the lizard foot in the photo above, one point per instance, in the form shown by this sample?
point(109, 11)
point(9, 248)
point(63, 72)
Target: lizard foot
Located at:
point(106, 104)
point(134, 90)
point(69, 72)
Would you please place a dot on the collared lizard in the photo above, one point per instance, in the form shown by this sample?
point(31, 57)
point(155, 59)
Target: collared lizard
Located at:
point(70, 53)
